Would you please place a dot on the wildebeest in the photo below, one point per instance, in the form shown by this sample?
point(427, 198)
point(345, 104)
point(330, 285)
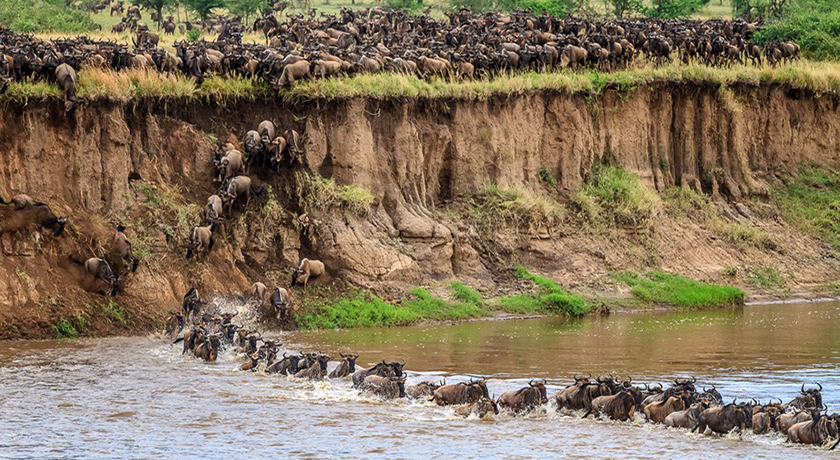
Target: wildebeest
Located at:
point(230, 166)
point(317, 370)
point(200, 239)
point(810, 399)
point(461, 393)
point(306, 270)
point(687, 418)
point(254, 146)
point(619, 406)
point(209, 349)
point(384, 387)
point(252, 363)
point(658, 410)
point(121, 250)
point(212, 213)
point(20, 201)
point(287, 366)
point(724, 419)
point(191, 305)
point(383, 369)
point(293, 145)
point(526, 398)
point(346, 368)
point(26, 212)
point(580, 394)
point(174, 325)
point(65, 77)
point(821, 429)
point(792, 417)
point(238, 187)
point(480, 408)
point(281, 302)
point(98, 271)
point(423, 390)
point(766, 418)
point(266, 131)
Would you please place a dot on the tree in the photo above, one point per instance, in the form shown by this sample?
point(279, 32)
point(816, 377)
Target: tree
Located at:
point(620, 8)
point(673, 9)
point(156, 5)
point(246, 8)
point(204, 7)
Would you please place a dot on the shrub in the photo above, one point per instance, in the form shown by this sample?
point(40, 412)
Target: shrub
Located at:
point(29, 16)
point(813, 24)
point(616, 196)
point(665, 288)
point(497, 206)
point(65, 330)
point(316, 192)
point(545, 176)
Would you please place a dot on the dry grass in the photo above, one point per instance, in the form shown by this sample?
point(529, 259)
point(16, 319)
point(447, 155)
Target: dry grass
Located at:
point(94, 83)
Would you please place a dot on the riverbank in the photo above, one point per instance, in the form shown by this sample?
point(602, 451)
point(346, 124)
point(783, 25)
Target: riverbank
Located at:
point(420, 193)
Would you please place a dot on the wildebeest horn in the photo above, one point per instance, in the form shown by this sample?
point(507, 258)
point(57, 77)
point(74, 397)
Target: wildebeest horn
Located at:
point(401, 361)
point(818, 384)
point(531, 382)
point(693, 379)
point(341, 354)
point(802, 389)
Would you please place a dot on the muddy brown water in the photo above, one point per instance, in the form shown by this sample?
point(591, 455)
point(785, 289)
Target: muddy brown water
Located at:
point(139, 398)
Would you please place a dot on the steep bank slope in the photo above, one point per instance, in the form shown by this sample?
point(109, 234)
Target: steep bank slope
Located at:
point(149, 163)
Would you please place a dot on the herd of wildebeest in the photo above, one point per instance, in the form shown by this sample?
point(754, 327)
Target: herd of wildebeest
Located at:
point(804, 419)
point(462, 45)
point(264, 147)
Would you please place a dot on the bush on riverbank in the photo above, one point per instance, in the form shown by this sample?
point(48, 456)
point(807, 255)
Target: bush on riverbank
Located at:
point(549, 298)
point(658, 287)
point(615, 196)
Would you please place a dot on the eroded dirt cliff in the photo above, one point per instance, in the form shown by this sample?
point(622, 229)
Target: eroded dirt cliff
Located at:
point(149, 163)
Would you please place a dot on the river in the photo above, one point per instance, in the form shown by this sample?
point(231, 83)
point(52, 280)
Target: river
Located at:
point(139, 398)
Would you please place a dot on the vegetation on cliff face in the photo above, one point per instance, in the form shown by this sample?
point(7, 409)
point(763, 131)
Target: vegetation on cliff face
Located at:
point(811, 202)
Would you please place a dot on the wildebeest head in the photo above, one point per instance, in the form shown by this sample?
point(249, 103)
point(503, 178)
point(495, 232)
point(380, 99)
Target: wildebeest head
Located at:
point(351, 360)
point(539, 385)
point(58, 226)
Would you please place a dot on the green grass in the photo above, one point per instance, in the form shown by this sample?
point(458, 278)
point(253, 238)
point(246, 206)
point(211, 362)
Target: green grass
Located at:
point(749, 234)
point(766, 277)
point(615, 196)
point(128, 84)
point(811, 202)
point(546, 176)
point(114, 312)
point(26, 16)
point(65, 330)
point(495, 207)
point(658, 287)
point(316, 192)
point(367, 310)
point(549, 298)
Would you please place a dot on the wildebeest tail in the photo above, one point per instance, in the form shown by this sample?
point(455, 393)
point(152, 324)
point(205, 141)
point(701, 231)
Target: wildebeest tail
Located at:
point(75, 259)
point(3, 201)
point(134, 263)
point(587, 413)
point(210, 244)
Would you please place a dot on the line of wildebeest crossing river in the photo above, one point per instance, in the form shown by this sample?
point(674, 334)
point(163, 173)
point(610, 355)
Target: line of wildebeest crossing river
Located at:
point(684, 403)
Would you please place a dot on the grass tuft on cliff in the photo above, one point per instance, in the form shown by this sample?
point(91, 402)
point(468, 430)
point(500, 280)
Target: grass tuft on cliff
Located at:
point(497, 206)
point(658, 287)
point(811, 202)
point(317, 192)
point(549, 298)
point(616, 196)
